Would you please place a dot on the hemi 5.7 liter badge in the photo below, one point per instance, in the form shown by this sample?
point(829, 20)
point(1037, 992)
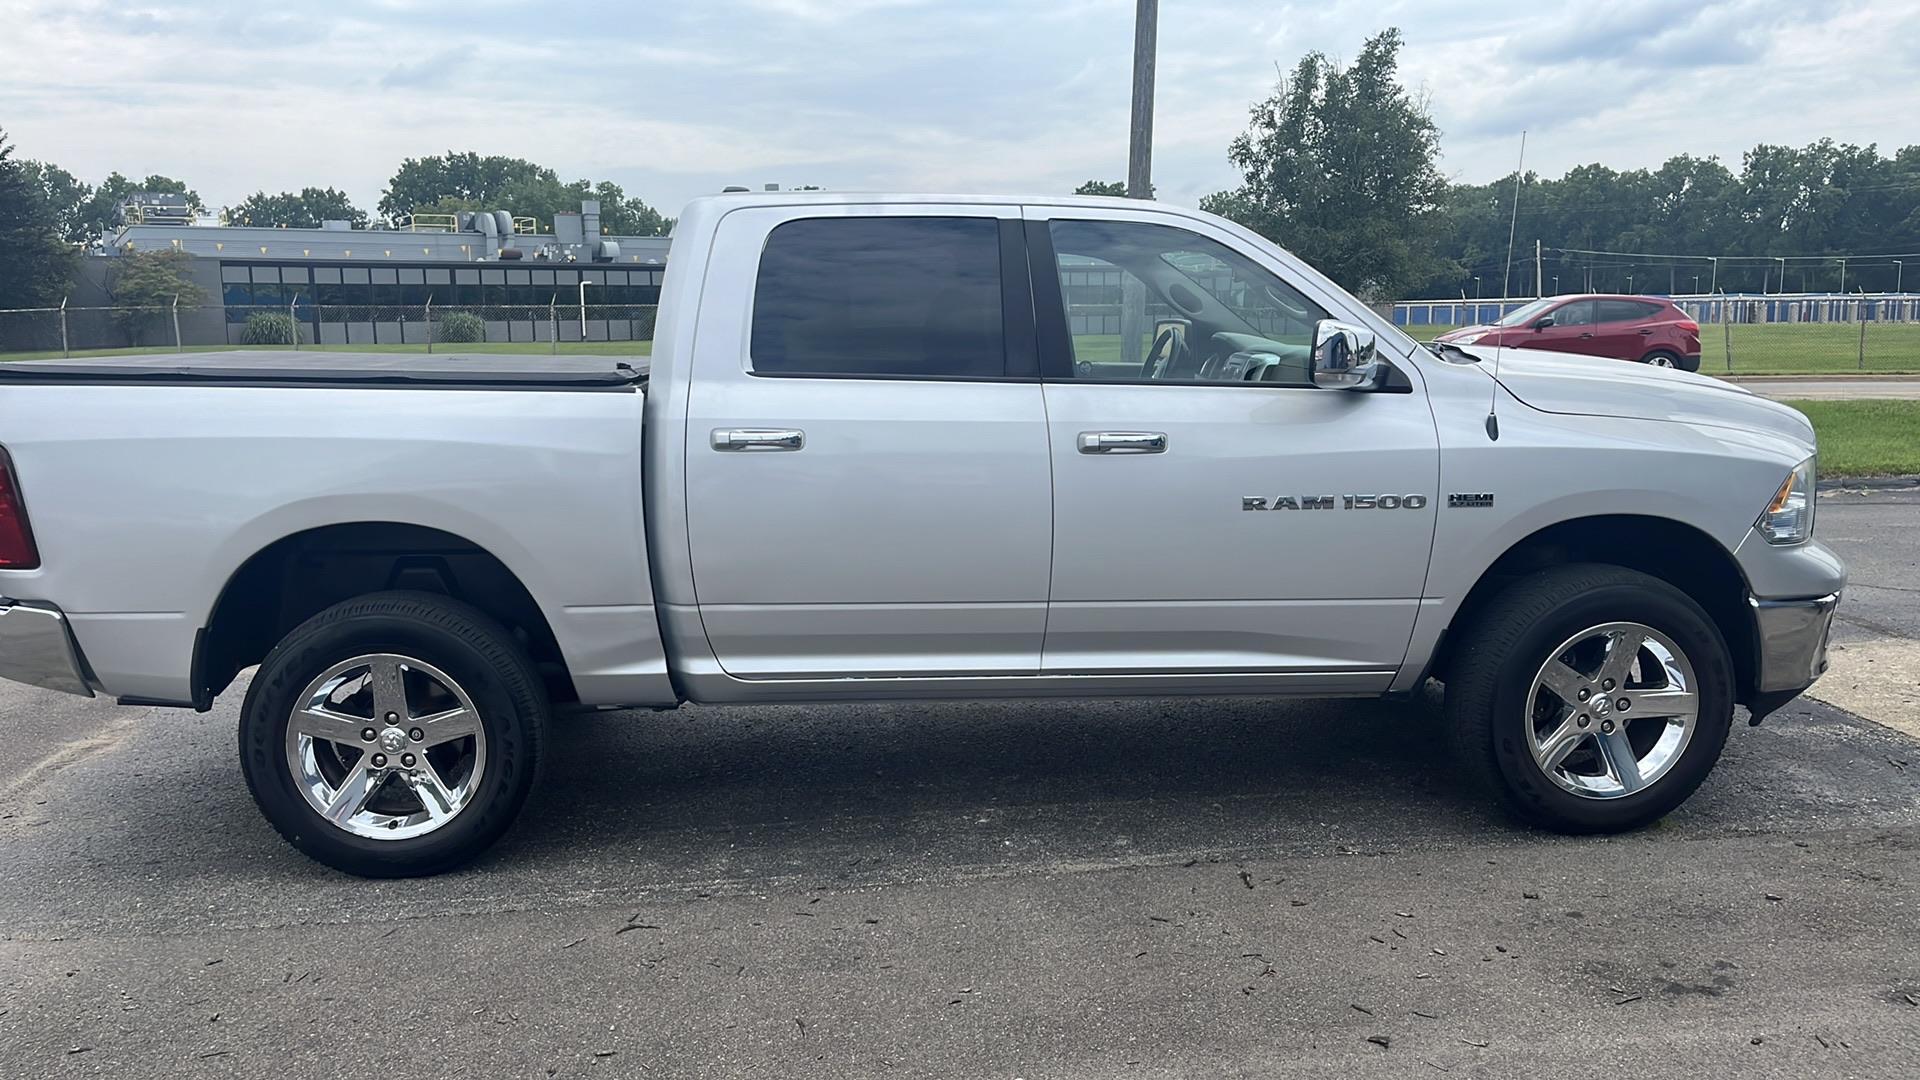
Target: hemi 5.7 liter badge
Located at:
point(1472, 500)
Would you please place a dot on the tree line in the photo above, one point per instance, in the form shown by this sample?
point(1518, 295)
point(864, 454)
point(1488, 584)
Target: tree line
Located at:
point(1340, 164)
point(444, 183)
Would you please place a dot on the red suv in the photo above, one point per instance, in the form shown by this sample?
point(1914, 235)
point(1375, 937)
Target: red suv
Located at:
point(1642, 328)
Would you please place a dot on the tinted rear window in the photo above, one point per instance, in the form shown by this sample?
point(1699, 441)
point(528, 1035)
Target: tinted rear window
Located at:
point(1627, 310)
point(898, 296)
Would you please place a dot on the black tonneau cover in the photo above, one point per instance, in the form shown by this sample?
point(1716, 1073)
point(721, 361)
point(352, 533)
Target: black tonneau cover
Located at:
point(304, 367)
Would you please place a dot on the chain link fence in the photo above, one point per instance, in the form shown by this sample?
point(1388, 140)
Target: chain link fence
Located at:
point(38, 333)
point(1768, 335)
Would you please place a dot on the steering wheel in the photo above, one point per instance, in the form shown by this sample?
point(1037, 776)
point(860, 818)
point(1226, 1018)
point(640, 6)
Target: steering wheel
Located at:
point(1168, 345)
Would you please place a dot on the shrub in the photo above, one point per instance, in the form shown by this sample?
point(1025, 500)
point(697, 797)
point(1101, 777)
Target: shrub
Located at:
point(459, 327)
point(269, 328)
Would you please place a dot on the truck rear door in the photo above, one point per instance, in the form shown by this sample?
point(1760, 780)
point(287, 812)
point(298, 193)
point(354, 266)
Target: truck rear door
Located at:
point(867, 472)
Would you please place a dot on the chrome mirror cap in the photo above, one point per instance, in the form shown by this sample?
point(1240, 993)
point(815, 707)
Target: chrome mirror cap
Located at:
point(1345, 356)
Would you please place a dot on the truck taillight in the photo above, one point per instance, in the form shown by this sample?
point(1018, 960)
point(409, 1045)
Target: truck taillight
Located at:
point(16, 539)
point(1689, 326)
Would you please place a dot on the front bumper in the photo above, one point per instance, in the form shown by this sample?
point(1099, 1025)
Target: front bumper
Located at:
point(1792, 642)
point(37, 648)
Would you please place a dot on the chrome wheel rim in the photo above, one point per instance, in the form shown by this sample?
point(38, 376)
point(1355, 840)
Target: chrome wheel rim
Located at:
point(386, 746)
point(1612, 710)
point(1659, 361)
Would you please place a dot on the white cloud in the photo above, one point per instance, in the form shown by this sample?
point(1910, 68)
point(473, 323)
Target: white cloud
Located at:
point(672, 100)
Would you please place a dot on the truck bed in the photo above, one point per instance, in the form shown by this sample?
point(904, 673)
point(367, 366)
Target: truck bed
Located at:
point(523, 371)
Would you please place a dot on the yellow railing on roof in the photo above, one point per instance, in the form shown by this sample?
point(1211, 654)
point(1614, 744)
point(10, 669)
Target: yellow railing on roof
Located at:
point(429, 222)
point(526, 226)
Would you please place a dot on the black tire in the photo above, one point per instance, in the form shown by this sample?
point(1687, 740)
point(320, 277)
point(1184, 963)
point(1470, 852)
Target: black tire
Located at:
point(1494, 663)
point(454, 637)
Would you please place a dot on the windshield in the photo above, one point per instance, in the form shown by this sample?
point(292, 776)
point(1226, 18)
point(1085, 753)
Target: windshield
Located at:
point(1528, 311)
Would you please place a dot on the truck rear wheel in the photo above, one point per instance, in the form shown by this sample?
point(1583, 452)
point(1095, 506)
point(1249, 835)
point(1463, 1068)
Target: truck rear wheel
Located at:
point(393, 735)
point(1590, 698)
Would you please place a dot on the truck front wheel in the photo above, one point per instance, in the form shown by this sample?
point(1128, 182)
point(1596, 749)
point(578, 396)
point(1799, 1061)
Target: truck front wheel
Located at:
point(1590, 698)
point(393, 735)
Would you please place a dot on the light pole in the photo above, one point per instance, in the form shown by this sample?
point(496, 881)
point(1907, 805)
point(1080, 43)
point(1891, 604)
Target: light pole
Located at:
point(1843, 277)
point(1897, 271)
point(583, 306)
point(1556, 284)
point(1783, 277)
point(1629, 282)
point(1696, 284)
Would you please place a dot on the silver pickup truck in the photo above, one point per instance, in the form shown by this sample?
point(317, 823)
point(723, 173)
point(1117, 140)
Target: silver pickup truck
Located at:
point(898, 448)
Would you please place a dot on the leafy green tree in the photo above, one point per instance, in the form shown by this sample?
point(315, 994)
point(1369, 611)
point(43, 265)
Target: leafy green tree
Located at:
point(304, 209)
point(1821, 199)
point(627, 215)
point(143, 284)
point(456, 178)
point(469, 181)
point(66, 196)
point(1339, 166)
point(97, 215)
point(1102, 187)
point(38, 263)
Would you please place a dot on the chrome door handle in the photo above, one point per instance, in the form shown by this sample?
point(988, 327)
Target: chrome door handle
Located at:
point(758, 439)
point(1123, 442)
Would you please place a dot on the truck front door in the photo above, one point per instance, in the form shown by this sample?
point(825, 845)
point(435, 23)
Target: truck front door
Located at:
point(1213, 518)
point(867, 475)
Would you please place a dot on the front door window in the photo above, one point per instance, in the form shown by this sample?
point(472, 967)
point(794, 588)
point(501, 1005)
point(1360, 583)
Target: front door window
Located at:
point(1159, 303)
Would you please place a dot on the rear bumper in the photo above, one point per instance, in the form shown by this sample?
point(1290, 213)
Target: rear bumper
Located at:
point(37, 648)
point(1792, 642)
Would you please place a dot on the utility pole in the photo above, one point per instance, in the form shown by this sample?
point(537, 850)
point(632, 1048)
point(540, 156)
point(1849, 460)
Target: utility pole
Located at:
point(1133, 294)
point(1539, 268)
point(1897, 271)
point(1146, 20)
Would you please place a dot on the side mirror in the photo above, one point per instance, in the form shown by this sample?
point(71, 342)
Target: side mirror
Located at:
point(1345, 357)
point(1543, 322)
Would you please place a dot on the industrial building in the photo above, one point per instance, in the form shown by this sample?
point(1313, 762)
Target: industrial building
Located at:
point(372, 286)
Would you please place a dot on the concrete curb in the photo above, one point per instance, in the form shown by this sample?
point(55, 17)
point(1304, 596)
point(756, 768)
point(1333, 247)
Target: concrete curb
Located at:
point(1867, 483)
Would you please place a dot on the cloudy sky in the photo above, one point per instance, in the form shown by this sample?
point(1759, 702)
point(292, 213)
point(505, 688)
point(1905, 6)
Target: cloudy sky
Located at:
point(672, 99)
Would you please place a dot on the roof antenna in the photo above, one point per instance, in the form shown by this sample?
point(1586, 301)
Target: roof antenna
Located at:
point(1513, 223)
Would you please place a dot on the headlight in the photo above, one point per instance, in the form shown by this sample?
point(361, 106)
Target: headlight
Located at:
point(1467, 339)
point(1789, 517)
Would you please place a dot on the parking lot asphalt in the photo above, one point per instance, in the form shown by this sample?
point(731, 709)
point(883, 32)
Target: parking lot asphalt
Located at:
point(1147, 888)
